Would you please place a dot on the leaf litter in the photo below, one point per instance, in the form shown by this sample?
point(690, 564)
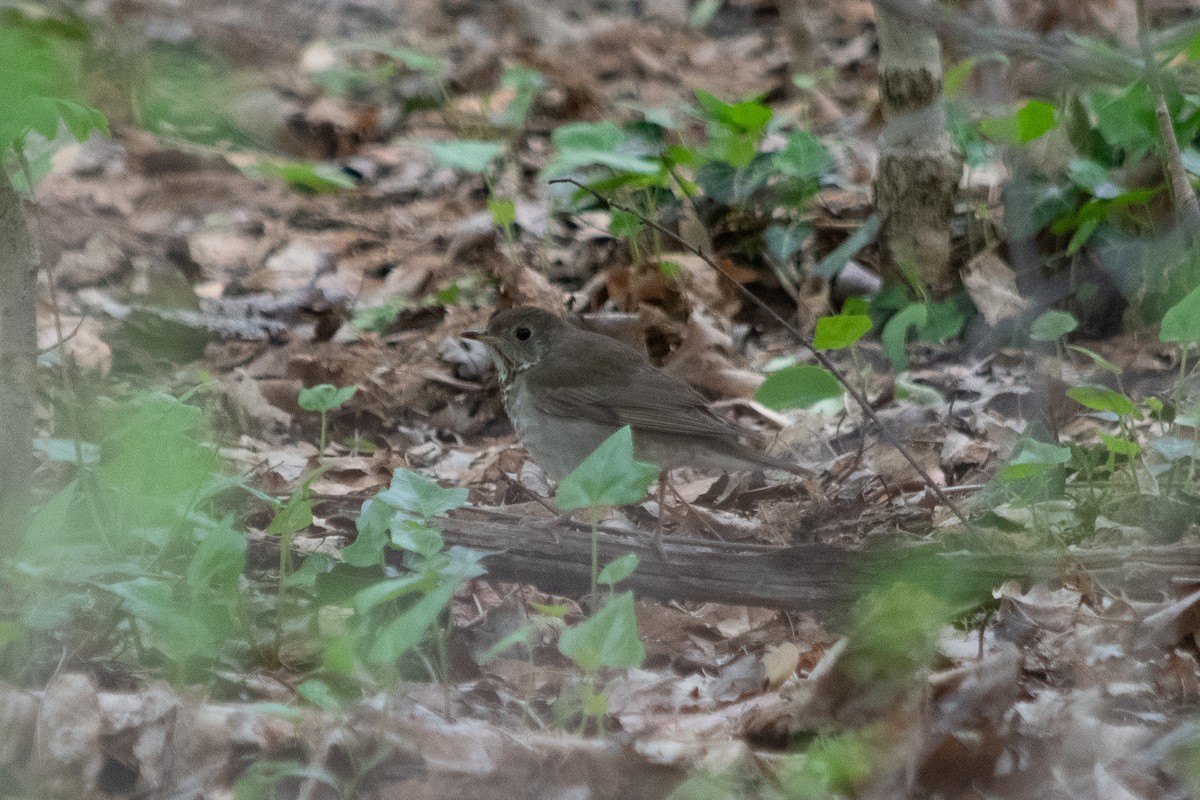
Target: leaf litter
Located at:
point(1074, 687)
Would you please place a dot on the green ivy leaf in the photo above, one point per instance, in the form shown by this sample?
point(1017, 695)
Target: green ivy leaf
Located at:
point(624, 225)
point(465, 154)
point(408, 629)
point(956, 74)
point(318, 177)
point(1052, 326)
point(895, 333)
point(1035, 458)
point(1120, 446)
point(745, 117)
point(618, 569)
point(803, 156)
point(324, 397)
point(1097, 359)
point(414, 493)
point(1101, 398)
point(610, 476)
point(837, 333)
point(503, 211)
point(798, 387)
point(320, 695)
point(415, 536)
point(1181, 323)
point(1031, 121)
point(1094, 177)
point(608, 638)
point(586, 144)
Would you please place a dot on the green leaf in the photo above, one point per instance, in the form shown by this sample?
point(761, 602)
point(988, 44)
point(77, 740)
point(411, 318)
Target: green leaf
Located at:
point(609, 638)
point(324, 397)
point(414, 493)
point(956, 74)
point(1035, 119)
point(1035, 458)
point(1181, 323)
point(745, 117)
point(388, 590)
point(610, 476)
point(503, 211)
point(1032, 121)
point(373, 535)
point(465, 154)
point(785, 241)
point(318, 693)
point(803, 156)
point(703, 12)
point(618, 569)
point(943, 321)
point(586, 144)
point(408, 629)
point(525, 84)
point(1120, 446)
point(624, 225)
point(295, 516)
point(895, 333)
point(1081, 235)
point(416, 537)
point(1097, 359)
point(81, 120)
point(1052, 326)
point(219, 561)
point(1101, 398)
point(1094, 177)
point(316, 177)
point(837, 333)
point(798, 387)
point(832, 264)
point(40, 70)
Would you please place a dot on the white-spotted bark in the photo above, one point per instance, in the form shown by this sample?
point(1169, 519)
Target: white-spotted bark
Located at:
point(919, 164)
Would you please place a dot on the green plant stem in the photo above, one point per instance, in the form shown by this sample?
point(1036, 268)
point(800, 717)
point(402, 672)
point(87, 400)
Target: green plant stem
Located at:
point(593, 513)
point(324, 419)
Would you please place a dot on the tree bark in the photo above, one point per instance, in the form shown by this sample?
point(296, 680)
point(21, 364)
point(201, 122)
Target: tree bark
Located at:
point(18, 360)
point(919, 164)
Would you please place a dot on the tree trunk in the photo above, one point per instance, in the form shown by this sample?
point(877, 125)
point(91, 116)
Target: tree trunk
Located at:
point(18, 360)
point(919, 164)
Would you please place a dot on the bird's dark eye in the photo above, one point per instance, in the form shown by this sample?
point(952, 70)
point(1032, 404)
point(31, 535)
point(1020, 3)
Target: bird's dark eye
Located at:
point(522, 333)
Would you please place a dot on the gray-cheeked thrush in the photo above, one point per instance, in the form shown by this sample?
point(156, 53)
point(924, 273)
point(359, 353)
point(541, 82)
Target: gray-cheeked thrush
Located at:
point(566, 390)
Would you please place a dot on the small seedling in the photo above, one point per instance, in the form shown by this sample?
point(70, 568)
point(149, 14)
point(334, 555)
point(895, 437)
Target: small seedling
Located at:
point(323, 398)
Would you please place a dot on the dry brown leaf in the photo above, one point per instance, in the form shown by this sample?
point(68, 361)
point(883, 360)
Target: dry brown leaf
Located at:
point(702, 361)
point(781, 661)
point(992, 285)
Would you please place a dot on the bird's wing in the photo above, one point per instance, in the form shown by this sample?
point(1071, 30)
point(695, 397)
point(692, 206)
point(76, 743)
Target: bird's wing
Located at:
point(662, 403)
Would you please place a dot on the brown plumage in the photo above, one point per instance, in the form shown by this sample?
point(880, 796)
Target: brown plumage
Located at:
point(566, 390)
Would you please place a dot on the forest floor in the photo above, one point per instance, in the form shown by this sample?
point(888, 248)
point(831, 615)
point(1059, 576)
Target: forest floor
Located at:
point(193, 268)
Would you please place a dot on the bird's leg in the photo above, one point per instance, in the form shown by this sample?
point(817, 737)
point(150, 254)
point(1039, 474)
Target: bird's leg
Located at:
point(662, 509)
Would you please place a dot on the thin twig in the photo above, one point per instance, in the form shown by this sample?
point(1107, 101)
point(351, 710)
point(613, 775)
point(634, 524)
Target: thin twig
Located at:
point(50, 348)
point(824, 361)
point(1183, 196)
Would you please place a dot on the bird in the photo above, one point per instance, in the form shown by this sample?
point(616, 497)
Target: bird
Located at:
point(566, 390)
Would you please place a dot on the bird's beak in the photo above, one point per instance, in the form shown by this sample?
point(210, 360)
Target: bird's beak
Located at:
point(479, 336)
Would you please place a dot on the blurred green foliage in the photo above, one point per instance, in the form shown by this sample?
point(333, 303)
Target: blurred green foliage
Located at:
point(41, 90)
